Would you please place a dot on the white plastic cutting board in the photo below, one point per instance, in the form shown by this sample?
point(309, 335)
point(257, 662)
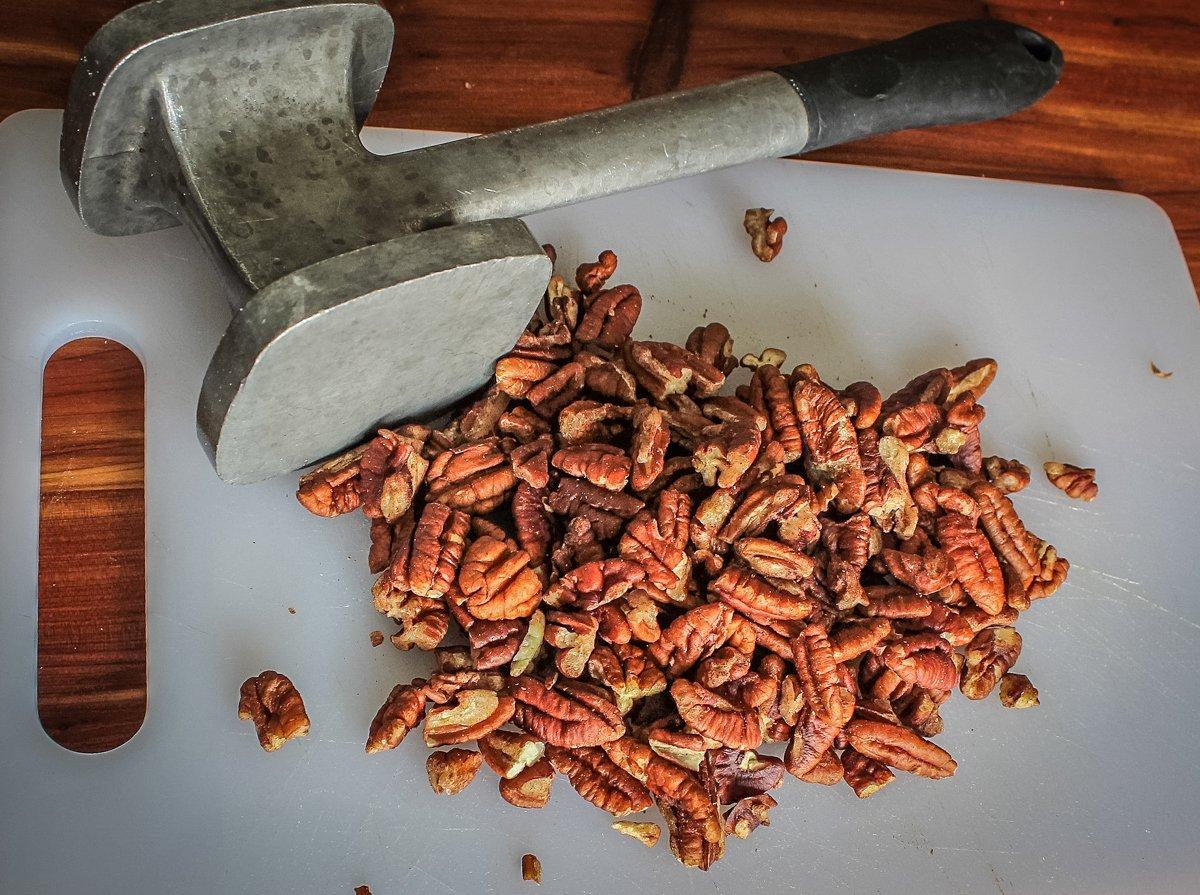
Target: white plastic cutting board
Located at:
point(883, 275)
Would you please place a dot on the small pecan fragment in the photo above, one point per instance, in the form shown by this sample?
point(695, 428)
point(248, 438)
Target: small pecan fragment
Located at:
point(401, 712)
point(989, 656)
point(573, 634)
point(766, 235)
point(531, 869)
point(900, 748)
point(646, 833)
point(531, 461)
point(830, 444)
point(601, 464)
point(713, 343)
point(530, 645)
point(508, 753)
point(866, 776)
point(597, 778)
point(591, 277)
point(571, 715)
point(334, 487)
point(450, 772)
point(376, 638)
point(1074, 481)
point(1009, 476)
point(530, 788)
point(716, 717)
point(423, 623)
point(748, 815)
point(273, 703)
point(1018, 692)
point(473, 714)
point(497, 581)
point(975, 565)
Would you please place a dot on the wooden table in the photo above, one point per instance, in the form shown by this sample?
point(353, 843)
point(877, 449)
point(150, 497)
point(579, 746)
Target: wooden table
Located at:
point(1126, 116)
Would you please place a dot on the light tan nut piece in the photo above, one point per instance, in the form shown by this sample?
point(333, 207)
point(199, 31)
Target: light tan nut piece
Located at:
point(273, 703)
point(1018, 692)
point(508, 753)
point(1009, 476)
point(531, 787)
point(1074, 481)
point(450, 772)
point(766, 235)
point(644, 832)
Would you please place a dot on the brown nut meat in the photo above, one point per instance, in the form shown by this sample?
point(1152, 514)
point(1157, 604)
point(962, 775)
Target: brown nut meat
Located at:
point(474, 713)
point(451, 772)
point(649, 446)
point(926, 572)
point(474, 477)
point(392, 471)
point(595, 583)
point(691, 637)
point(601, 464)
point(571, 715)
point(664, 369)
point(610, 317)
point(774, 559)
point(735, 775)
point(975, 565)
point(591, 277)
point(596, 777)
point(694, 826)
point(851, 640)
point(755, 596)
point(766, 235)
point(628, 671)
point(531, 461)
point(771, 394)
point(748, 815)
point(531, 787)
point(824, 692)
point(531, 521)
point(334, 487)
point(989, 656)
point(401, 712)
point(1018, 692)
point(1074, 481)
point(925, 660)
point(716, 717)
point(830, 444)
point(497, 581)
point(713, 343)
point(725, 452)
point(273, 703)
point(1009, 476)
point(866, 776)
point(531, 869)
point(430, 565)
point(900, 748)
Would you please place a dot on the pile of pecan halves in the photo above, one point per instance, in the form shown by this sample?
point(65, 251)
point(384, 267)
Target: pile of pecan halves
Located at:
point(654, 580)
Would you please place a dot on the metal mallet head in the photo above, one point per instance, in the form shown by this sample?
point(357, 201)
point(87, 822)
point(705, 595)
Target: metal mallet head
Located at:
point(369, 288)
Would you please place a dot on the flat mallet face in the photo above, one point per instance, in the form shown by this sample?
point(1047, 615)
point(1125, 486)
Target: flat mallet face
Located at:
point(367, 289)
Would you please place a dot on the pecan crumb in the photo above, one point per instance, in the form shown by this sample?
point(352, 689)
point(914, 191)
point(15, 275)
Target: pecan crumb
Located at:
point(376, 638)
point(646, 833)
point(291, 610)
point(766, 235)
point(450, 772)
point(273, 703)
point(362, 890)
point(531, 869)
point(1161, 374)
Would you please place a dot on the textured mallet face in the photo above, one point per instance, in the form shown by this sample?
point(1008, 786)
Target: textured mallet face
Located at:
point(321, 357)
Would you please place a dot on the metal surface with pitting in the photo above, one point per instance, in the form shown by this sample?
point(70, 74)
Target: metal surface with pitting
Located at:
point(242, 120)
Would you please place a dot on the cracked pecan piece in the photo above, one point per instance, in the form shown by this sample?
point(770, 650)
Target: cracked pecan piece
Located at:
point(452, 771)
point(691, 637)
point(334, 487)
point(392, 471)
point(401, 712)
point(1018, 692)
point(473, 714)
point(644, 832)
point(531, 461)
point(989, 656)
point(866, 776)
point(663, 369)
point(1074, 481)
point(1009, 476)
point(628, 671)
point(593, 584)
point(696, 835)
point(926, 572)
point(766, 234)
point(924, 660)
point(725, 452)
point(713, 343)
point(531, 787)
point(531, 520)
point(590, 277)
point(573, 635)
point(274, 704)
point(508, 753)
point(571, 714)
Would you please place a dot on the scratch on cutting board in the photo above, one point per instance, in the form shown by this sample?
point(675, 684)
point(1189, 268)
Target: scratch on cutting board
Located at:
point(437, 879)
point(996, 877)
point(1119, 583)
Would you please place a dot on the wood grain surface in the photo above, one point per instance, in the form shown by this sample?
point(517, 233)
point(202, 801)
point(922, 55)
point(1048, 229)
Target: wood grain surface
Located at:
point(92, 547)
point(1125, 116)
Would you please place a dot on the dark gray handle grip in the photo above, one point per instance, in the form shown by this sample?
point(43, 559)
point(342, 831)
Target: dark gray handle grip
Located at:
point(948, 74)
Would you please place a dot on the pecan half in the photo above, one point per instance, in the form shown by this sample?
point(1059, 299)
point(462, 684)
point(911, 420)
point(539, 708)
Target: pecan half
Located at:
point(690, 637)
point(430, 565)
point(595, 583)
point(716, 717)
point(1074, 481)
point(531, 461)
point(273, 703)
point(975, 565)
point(628, 671)
point(664, 369)
point(452, 771)
point(496, 580)
point(900, 748)
point(925, 660)
point(531, 521)
point(592, 276)
point(610, 317)
point(926, 572)
point(600, 780)
point(572, 714)
point(753, 595)
point(475, 477)
point(601, 464)
point(694, 825)
point(770, 393)
point(830, 443)
point(851, 640)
